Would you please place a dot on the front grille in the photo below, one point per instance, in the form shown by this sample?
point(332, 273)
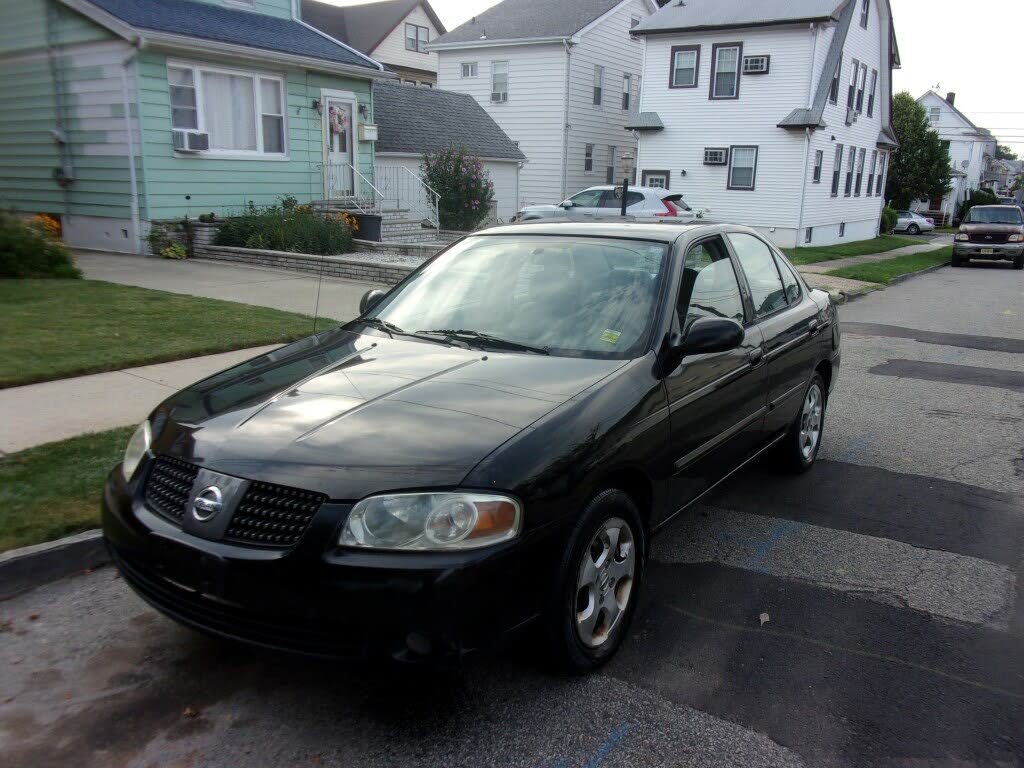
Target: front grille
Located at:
point(990, 239)
point(169, 486)
point(272, 515)
point(267, 516)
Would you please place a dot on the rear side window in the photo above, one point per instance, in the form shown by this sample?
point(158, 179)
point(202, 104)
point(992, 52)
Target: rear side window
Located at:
point(709, 286)
point(611, 201)
point(789, 281)
point(758, 265)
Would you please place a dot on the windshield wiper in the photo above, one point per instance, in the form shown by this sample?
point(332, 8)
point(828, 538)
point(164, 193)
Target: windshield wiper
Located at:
point(486, 338)
point(393, 330)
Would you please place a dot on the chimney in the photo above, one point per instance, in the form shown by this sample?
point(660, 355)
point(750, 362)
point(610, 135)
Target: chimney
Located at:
point(951, 98)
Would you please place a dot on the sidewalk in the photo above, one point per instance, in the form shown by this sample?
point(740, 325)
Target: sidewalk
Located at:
point(827, 266)
point(56, 410)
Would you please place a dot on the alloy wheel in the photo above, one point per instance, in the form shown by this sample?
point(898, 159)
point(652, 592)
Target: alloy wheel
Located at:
point(810, 421)
point(604, 583)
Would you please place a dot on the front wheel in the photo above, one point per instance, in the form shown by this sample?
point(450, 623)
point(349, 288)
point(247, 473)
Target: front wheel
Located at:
point(1018, 262)
point(956, 261)
point(799, 448)
point(599, 580)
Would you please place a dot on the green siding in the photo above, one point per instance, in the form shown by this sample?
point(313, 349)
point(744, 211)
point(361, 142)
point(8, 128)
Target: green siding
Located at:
point(280, 8)
point(227, 185)
point(25, 21)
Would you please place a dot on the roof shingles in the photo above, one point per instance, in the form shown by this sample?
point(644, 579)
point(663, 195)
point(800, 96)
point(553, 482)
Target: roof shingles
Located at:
point(529, 19)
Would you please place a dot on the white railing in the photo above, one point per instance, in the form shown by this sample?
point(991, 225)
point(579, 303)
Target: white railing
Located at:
point(402, 188)
point(345, 182)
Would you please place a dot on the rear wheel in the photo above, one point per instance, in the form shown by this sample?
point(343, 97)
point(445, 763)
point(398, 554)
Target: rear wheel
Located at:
point(799, 448)
point(913, 229)
point(599, 581)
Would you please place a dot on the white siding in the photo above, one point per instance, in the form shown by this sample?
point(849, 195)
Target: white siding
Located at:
point(609, 45)
point(392, 52)
point(502, 173)
point(533, 114)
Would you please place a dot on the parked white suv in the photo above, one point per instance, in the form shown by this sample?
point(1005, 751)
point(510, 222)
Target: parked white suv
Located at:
point(606, 200)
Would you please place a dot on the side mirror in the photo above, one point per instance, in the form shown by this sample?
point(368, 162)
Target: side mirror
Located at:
point(707, 335)
point(370, 300)
point(567, 204)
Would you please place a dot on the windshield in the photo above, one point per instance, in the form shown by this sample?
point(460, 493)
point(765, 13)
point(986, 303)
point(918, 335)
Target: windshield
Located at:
point(568, 296)
point(994, 216)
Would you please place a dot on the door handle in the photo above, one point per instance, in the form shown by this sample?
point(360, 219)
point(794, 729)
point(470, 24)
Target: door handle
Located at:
point(755, 356)
point(813, 327)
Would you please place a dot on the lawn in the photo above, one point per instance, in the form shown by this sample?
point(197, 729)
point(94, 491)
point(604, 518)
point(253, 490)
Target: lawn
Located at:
point(59, 328)
point(54, 490)
point(884, 271)
point(832, 252)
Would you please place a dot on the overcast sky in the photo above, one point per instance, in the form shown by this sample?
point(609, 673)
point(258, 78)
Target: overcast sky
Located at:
point(972, 48)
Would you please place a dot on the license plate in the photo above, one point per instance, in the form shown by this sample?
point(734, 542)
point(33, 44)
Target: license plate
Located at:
point(987, 251)
point(189, 568)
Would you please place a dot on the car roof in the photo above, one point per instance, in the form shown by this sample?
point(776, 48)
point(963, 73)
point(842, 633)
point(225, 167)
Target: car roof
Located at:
point(665, 233)
point(632, 188)
point(993, 206)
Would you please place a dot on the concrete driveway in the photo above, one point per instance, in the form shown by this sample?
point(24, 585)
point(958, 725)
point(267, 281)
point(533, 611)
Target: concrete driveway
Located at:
point(280, 289)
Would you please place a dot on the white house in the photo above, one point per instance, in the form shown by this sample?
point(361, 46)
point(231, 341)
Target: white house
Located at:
point(971, 151)
point(561, 79)
point(774, 114)
point(414, 121)
point(393, 32)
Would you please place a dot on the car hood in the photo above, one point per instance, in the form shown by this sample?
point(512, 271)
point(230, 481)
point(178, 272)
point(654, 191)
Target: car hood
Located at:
point(991, 229)
point(348, 415)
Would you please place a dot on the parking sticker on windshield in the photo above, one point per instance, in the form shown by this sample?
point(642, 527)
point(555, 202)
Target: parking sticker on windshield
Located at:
point(612, 337)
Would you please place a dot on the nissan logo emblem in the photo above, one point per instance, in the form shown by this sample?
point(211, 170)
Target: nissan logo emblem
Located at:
point(207, 503)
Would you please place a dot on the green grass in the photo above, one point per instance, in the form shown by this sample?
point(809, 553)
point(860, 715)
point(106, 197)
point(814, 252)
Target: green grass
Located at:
point(885, 271)
point(59, 328)
point(54, 490)
point(814, 255)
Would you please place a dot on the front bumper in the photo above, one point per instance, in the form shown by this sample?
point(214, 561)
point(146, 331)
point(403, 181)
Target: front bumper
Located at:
point(1009, 251)
point(322, 600)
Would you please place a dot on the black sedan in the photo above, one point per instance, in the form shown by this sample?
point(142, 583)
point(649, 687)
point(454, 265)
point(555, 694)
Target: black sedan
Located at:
point(489, 447)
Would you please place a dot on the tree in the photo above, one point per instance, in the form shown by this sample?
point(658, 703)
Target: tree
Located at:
point(920, 167)
point(1003, 152)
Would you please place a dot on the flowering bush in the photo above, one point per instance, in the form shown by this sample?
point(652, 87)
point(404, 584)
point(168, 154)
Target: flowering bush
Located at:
point(465, 187)
point(174, 251)
point(28, 249)
point(49, 224)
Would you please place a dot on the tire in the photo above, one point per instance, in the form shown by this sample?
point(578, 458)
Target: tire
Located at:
point(956, 261)
point(913, 229)
point(588, 591)
point(795, 453)
point(1018, 262)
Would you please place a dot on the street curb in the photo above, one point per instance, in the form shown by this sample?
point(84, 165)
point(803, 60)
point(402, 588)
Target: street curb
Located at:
point(29, 567)
point(909, 275)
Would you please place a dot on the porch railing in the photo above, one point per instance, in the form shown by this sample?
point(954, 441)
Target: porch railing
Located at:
point(405, 190)
point(345, 183)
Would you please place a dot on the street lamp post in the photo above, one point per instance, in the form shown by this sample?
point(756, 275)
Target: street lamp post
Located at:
point(627, 174)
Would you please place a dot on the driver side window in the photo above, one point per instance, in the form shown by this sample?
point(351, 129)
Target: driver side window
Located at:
point(589, 198)
point(709, 287)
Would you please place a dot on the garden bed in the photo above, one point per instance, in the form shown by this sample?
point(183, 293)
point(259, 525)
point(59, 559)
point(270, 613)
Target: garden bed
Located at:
point(379, 267)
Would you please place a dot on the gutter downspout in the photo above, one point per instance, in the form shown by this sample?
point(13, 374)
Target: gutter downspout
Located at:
point(565, 116)
point(807, 135)
point(129, 132)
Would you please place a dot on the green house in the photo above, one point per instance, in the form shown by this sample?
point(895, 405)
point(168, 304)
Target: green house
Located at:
point(118, 113)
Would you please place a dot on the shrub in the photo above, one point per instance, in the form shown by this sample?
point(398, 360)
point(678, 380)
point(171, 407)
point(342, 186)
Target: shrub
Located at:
point(174, 251)
point(978, 197)
point(28, 250)
point(465, 187)
point(889, 219)
point(296, 229)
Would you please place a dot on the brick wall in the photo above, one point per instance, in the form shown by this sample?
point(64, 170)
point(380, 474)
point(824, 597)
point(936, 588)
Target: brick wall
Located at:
point(331, 266)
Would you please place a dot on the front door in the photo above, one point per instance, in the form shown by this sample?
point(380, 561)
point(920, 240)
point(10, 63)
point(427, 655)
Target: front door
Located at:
point(338, 134)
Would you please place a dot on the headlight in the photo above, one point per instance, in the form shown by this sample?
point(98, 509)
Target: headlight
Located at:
point(1016, 238)
point(432, 521)
point(136, 450)
point(962, 237)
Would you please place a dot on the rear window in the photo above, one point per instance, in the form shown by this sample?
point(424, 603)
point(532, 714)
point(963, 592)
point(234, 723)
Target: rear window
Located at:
point(1006, 215)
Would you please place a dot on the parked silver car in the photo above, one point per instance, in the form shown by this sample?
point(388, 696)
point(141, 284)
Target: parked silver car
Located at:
point(913, 223)
point(606, 200)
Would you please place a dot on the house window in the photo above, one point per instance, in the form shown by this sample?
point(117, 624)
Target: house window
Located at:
point(833, 91)
point(416, 37)
point(742, 167)
point(408, 82)
point(685, 66)
point(860, 87)
point(598, 84)
point(819, 158)
point(469, 69)
point(609, 172)
point(865, 7)
point(725, 70)
point(756, 65)
point(851, 95)
point(627, 88)
point(933, 115)
point(881, 172)
point(842, 229)
point(871, 174)
point(241, 111)
point(499, 82)
point(716, 155)
point(655, 179)
point(588, 158)
point(851, 160)
point(860, 172)
point(872, 93)
point(808, 234)
point(837, 168)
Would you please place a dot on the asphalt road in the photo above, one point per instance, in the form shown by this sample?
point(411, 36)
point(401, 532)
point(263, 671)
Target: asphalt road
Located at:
point(889, 578)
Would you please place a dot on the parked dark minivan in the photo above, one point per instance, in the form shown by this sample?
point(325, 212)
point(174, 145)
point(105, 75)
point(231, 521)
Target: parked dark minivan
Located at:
point(991, 232)
point(489, 447)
